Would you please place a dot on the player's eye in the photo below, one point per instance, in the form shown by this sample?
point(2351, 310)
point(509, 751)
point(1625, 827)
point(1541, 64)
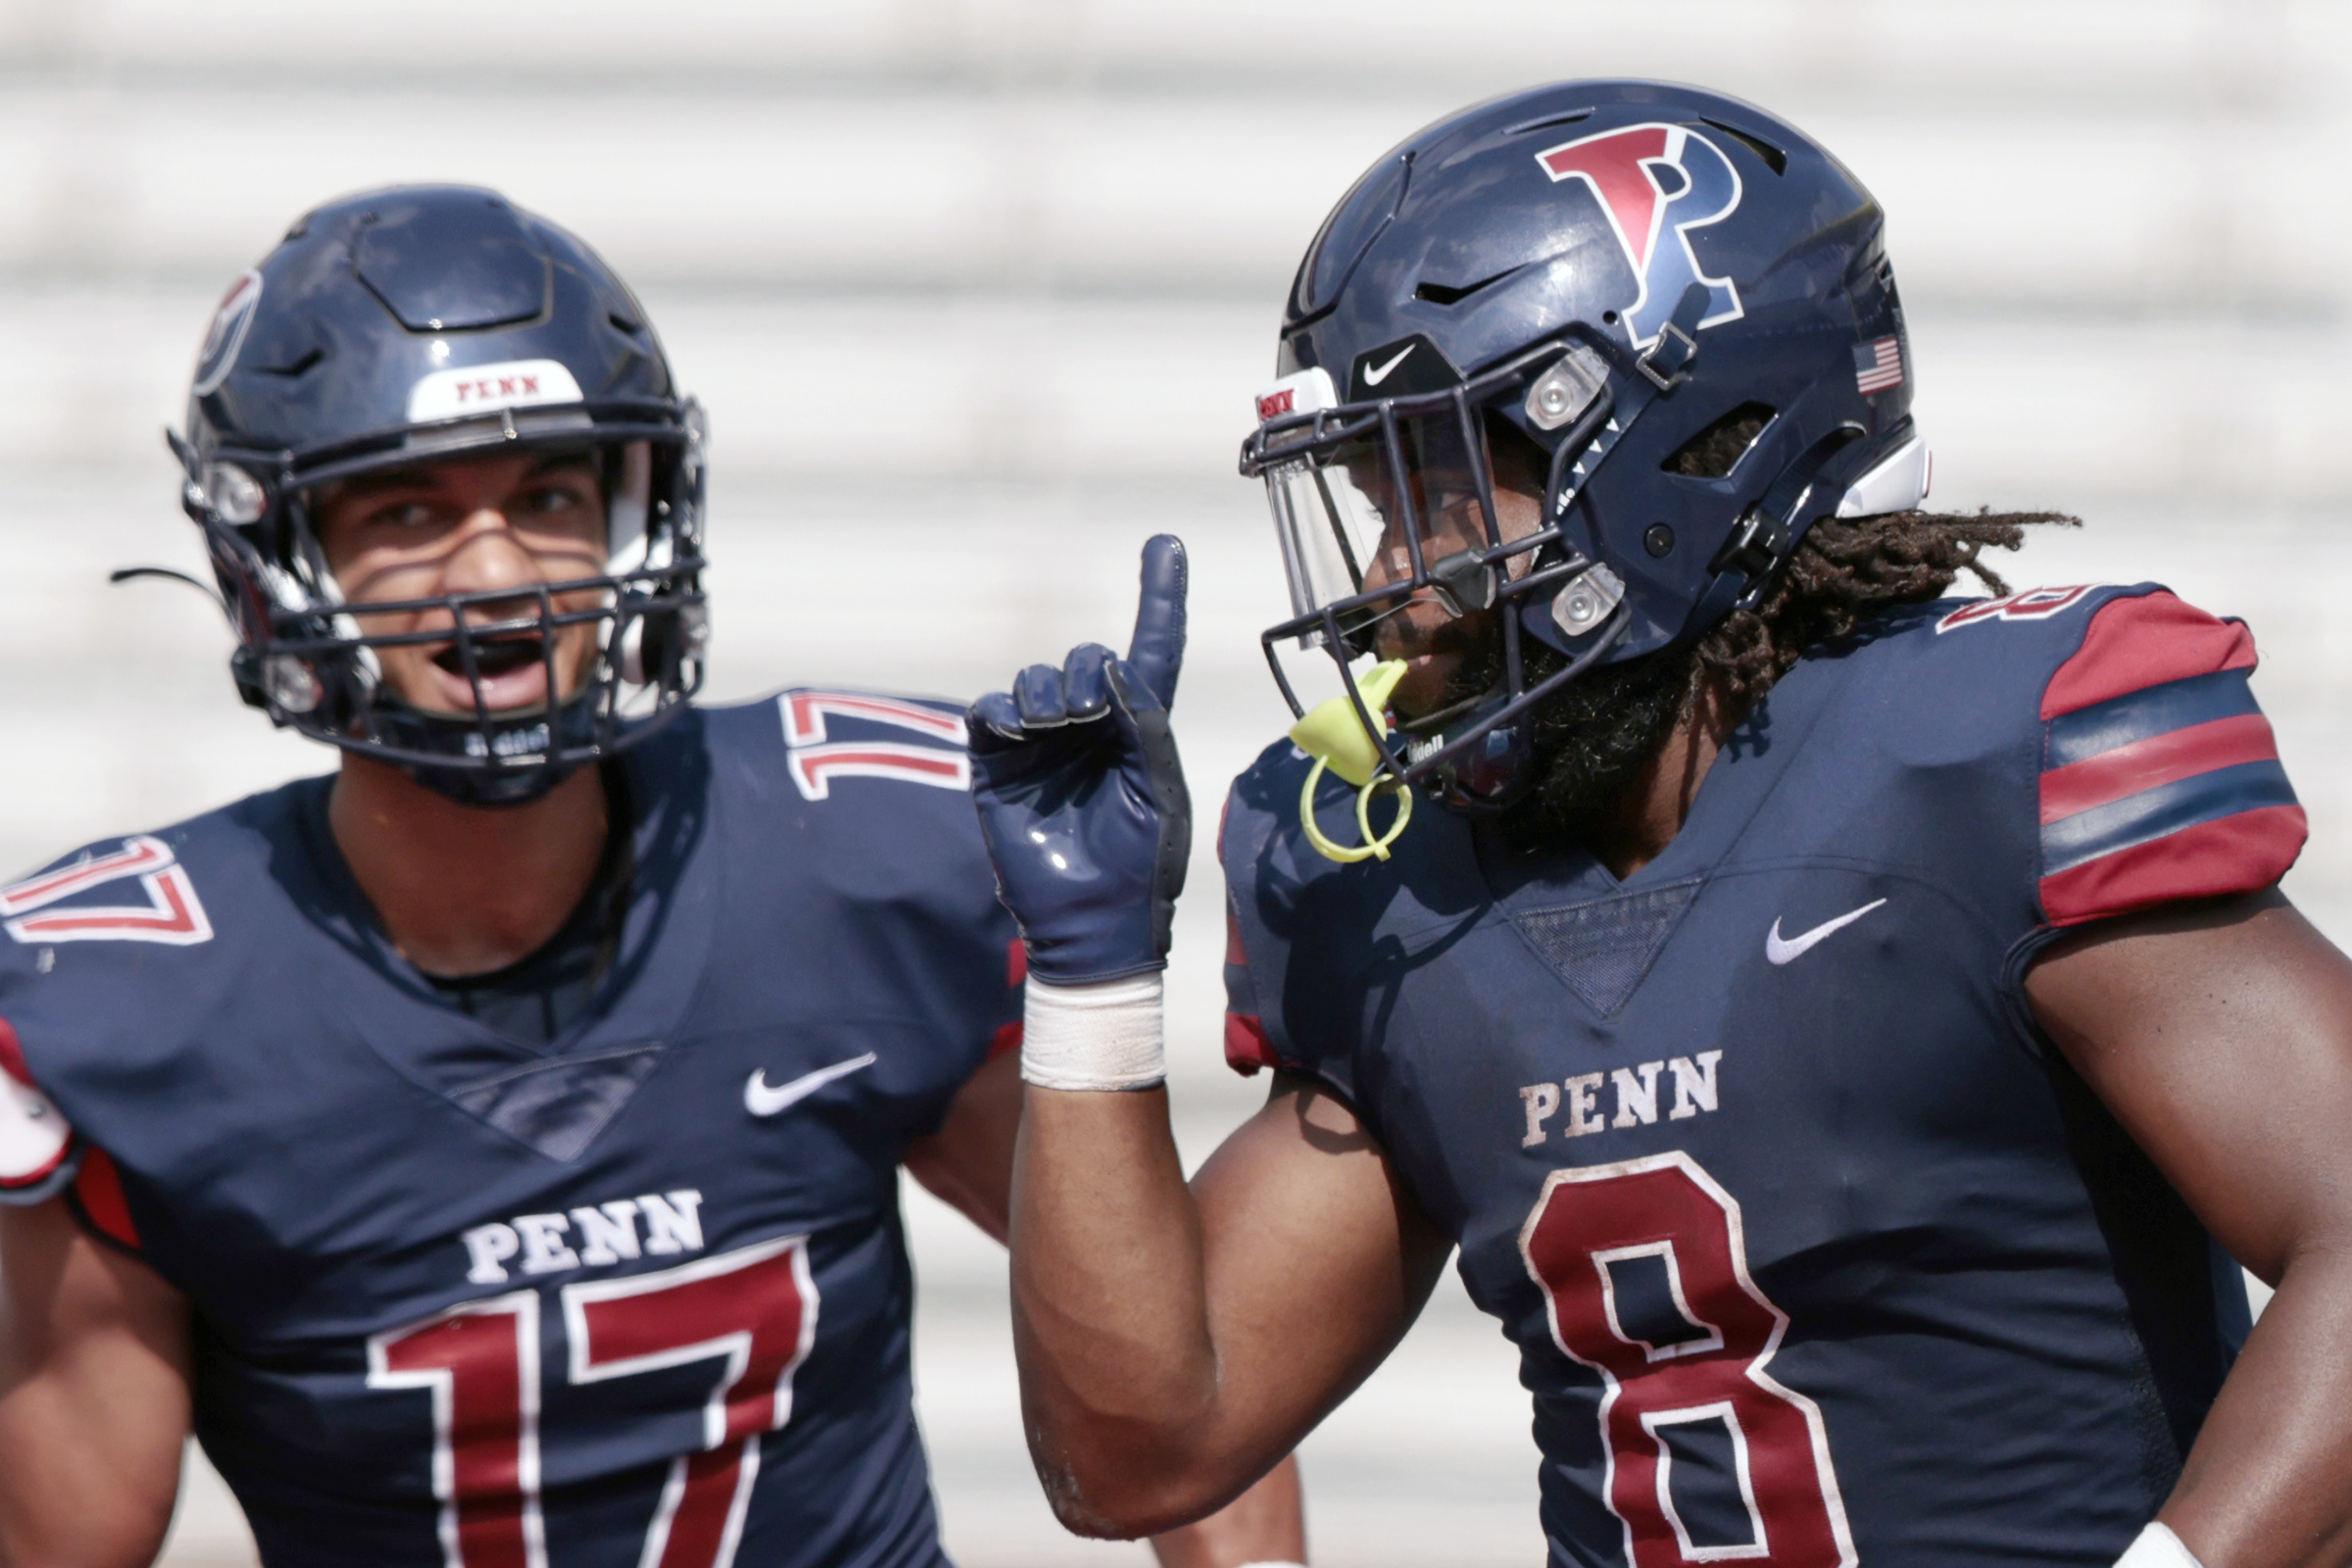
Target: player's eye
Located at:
point(402, 516)
point(557, 499)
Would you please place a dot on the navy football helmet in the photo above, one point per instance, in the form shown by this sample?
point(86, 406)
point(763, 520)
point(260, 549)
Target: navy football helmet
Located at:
point(1664, 311)
point(413, 325)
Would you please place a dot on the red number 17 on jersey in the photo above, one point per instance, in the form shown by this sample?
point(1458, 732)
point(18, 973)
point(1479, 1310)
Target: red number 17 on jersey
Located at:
point(1690, 1367)
point(753, 1312)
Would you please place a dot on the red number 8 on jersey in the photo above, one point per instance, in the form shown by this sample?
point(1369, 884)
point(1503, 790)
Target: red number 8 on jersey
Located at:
point(1665, 1208)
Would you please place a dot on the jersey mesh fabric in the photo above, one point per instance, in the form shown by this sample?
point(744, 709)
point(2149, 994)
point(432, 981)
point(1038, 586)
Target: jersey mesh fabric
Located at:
point(1602, 950)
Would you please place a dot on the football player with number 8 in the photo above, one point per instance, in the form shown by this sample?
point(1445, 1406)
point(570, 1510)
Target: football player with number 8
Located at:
point(1852, 1036)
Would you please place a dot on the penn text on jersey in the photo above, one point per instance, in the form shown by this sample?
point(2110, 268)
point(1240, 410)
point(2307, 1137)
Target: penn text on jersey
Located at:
point(1637, 1087)
point(607, 1230)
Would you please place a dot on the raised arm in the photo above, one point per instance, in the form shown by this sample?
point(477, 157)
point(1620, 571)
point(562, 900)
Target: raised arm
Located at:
point(93, 1397)
point(1174, 1341)
point(968, 1164)
point(2220, 1036)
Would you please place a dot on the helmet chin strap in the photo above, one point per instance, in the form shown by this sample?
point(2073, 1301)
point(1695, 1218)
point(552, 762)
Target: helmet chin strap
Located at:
point(418, 736)
point(1495, 722)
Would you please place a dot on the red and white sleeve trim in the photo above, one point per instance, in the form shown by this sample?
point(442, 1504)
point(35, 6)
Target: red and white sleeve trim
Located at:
point(34, 1138)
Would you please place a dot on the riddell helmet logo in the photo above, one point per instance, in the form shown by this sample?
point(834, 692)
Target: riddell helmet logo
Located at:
point(1653, 180)
point(226, 334)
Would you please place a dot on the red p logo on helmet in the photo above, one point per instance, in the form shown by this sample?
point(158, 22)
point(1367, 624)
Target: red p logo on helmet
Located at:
point(1648, 179)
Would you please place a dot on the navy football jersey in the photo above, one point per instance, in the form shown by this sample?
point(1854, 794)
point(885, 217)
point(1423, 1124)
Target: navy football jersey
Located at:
point(1815, 1251)
point(635, 1296)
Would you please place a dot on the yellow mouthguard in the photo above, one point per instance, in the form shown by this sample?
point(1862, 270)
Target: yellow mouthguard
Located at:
point(1334, 737)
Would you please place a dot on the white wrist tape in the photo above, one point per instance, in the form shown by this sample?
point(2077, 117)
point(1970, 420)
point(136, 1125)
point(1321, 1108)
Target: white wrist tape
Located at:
point(1101, 1036)
point(2157, 1547)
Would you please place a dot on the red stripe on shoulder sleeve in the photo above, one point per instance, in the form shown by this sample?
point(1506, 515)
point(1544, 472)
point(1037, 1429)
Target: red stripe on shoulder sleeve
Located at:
point(1246, 1049)
point(2144, 641)
point(2159, 759)
point(1006, 1041)
point(98, 1194)
point(2237, 853)
point(1016, 962)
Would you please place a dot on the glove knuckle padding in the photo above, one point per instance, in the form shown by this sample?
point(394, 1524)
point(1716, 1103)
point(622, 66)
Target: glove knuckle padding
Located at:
point(1037, 694)
point(1086, 681)
point(992, 723)
point(1090, 826)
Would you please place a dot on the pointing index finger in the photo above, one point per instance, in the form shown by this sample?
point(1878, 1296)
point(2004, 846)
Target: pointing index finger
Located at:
point(1157, 653)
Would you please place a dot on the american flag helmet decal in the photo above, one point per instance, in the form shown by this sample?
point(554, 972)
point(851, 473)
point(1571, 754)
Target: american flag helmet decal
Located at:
point(1878, 364)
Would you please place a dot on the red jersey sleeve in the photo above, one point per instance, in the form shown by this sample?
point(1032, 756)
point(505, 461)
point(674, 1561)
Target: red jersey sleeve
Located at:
point(1246, 1049)
point(2160, 777)
point(97, 1200)
point(40, 1157)
point(1007, 1038)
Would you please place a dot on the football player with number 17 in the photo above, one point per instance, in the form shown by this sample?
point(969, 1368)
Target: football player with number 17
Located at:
point(491, 1149)
point(1852, 1035)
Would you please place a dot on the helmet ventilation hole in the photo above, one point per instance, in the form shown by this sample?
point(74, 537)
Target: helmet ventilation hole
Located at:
point(1566, 116)
point(1436, 293)
point(1774, 159)
point(1716, 450)
point(298, 366)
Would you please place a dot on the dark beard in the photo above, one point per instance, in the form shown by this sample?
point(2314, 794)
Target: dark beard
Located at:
point(1591, 740)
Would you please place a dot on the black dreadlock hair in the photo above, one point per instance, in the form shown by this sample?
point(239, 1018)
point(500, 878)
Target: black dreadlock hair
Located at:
point(1593, 740)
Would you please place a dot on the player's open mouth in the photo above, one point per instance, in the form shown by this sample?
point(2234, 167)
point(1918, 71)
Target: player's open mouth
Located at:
point(494, 656)
point(510, 674)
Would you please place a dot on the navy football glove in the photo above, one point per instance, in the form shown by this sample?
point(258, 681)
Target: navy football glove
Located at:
point(1082, 800)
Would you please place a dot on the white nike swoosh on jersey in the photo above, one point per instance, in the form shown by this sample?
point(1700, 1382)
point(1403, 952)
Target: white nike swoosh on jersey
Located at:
point(1780, 950)
point(761, 1100)
point(1373, 378)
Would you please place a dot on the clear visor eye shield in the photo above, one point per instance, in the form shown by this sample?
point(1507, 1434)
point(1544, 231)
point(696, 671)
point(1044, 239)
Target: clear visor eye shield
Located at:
point(1385, 504)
